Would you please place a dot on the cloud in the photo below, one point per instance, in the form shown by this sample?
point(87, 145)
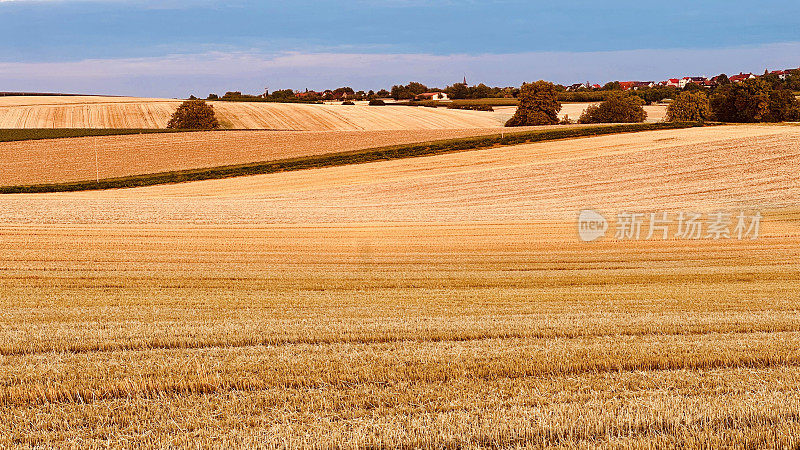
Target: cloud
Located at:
point(180, 75)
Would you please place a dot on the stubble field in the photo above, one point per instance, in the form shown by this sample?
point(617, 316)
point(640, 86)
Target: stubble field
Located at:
point(437, 301)
point(130, 112)
point(126, 112)
point(64, 160)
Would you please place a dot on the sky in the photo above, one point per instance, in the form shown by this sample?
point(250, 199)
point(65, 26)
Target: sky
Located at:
point(172, 48)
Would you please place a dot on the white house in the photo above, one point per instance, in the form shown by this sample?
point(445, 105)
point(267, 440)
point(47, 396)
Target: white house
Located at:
point(433, 96)
point(687, 80)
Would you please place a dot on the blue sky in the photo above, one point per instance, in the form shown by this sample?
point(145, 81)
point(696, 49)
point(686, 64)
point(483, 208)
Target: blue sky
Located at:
point(174, 48)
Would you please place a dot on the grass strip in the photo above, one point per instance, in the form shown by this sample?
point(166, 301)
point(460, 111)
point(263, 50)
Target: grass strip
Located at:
point(346, 158)
point(32, 134)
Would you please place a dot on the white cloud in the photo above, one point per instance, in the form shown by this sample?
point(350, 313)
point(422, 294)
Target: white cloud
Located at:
point(179, 75)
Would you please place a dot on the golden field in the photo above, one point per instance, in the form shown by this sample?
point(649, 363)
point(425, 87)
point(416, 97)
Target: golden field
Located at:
point(442, 301)
point(131, 112)
point(63, 160)
point(127, 112)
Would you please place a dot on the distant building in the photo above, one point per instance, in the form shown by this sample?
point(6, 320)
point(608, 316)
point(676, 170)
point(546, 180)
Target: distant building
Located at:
point(683, 82)
point(675, 82)
point(432, 96)
point(782, 74)
point(578, 86)
point(627, 85)
point(307, 94)
point(741, 77)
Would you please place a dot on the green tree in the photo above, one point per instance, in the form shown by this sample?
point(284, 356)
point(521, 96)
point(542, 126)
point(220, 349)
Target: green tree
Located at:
point(400, 92)
point(194, 115)
point(480, 91)
point(689, 107)
point(617, 108)
point(283, 94)
point(783, 106)
point(748, 101)
point(538, 105)
point(416, 88)
point(457, 91)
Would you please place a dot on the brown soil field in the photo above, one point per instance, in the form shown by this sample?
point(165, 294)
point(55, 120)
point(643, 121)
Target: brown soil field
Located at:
point(126, 112)
point(443, 301)
point(73, 159)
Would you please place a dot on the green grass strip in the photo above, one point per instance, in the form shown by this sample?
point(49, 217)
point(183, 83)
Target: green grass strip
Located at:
point(346, 158)
point(32, 134)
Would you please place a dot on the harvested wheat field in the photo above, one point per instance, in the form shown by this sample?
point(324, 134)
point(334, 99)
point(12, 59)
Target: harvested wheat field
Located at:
point(126, 112)
point(573, 111)
point(442, 301)
point(73, 159)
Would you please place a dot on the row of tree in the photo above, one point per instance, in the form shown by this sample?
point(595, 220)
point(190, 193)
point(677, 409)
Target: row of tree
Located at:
point(288, 95)
point(456, 91)
point(754, 100)
point(763, 99)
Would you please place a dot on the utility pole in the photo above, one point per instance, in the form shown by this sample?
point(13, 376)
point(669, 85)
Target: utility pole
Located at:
point(96, 164)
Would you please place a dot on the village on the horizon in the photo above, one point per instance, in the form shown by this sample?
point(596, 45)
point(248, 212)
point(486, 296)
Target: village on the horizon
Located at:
point(347, 93)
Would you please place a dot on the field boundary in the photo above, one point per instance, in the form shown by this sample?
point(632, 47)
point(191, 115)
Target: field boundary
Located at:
point(35, 134)
point(347, 158)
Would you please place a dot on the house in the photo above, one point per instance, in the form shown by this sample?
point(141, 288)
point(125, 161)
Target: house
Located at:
point(675, 82)
point(597, 86)
point(307, 94)
point(626, 85)
point(578, 86)
point(432, 96)
point(683, 82)
point(780, 73)
point(741, 77)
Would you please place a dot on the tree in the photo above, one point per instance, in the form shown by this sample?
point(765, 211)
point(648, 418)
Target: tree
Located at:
point(194, 115)
point(617, 108)
point(538, 105)
point(383, 93)
point(457, 91)
point(480, 91)
point(283, 94)
point(689, 107)
point(722, 79)
point(748, 101)
point(612, 86)
point(656, 94)
point(213, 96)
point(400, 92)
point(411, 90)
point(416, 88)
point(783, 106)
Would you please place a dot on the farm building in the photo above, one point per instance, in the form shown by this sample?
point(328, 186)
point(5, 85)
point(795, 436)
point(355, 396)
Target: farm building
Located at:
point(432, 96)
